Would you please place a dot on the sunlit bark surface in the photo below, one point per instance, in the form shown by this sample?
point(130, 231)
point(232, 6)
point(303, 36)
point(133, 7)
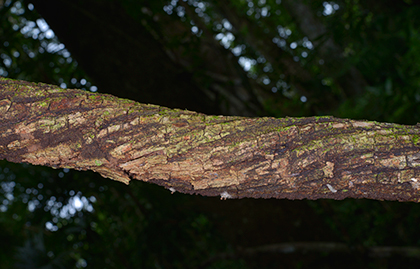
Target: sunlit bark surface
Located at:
point(230, 157)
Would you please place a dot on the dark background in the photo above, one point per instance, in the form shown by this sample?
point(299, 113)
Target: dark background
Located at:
point(355, 59)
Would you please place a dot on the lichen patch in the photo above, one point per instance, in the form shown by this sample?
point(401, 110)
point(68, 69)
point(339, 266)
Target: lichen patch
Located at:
point(225, 195)
point(331, 188)
point(328, 169)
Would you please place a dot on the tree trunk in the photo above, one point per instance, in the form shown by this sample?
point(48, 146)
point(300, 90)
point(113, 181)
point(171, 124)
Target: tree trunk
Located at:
point(351, 82)
point(230, 157)
point(136, 54)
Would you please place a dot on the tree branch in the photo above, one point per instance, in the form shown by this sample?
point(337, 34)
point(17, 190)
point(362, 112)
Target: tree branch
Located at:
point(230, 157)
point(352, 81)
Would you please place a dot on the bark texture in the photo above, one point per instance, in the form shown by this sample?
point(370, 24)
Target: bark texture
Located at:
point(230, 157)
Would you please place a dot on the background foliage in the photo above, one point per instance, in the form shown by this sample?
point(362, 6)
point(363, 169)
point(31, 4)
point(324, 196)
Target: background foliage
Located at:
point(348, 58)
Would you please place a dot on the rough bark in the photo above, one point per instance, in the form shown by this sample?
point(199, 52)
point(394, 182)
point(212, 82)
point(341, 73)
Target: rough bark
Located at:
point(230, 157)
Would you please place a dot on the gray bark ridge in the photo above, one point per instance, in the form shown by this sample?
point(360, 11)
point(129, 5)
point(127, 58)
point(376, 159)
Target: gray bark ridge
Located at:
point(188, 152)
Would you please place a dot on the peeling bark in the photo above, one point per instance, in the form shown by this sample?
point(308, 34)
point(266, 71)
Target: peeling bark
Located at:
point(188, 152)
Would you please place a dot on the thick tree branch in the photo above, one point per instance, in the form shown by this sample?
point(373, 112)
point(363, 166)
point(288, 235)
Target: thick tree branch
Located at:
point(321, 247)
point(231, 157)
point(352, 82)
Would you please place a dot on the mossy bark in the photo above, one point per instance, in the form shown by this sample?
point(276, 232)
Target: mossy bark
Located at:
point(230, 157)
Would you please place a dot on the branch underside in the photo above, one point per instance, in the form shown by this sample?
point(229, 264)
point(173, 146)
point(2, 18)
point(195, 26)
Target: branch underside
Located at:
point(230, 157)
